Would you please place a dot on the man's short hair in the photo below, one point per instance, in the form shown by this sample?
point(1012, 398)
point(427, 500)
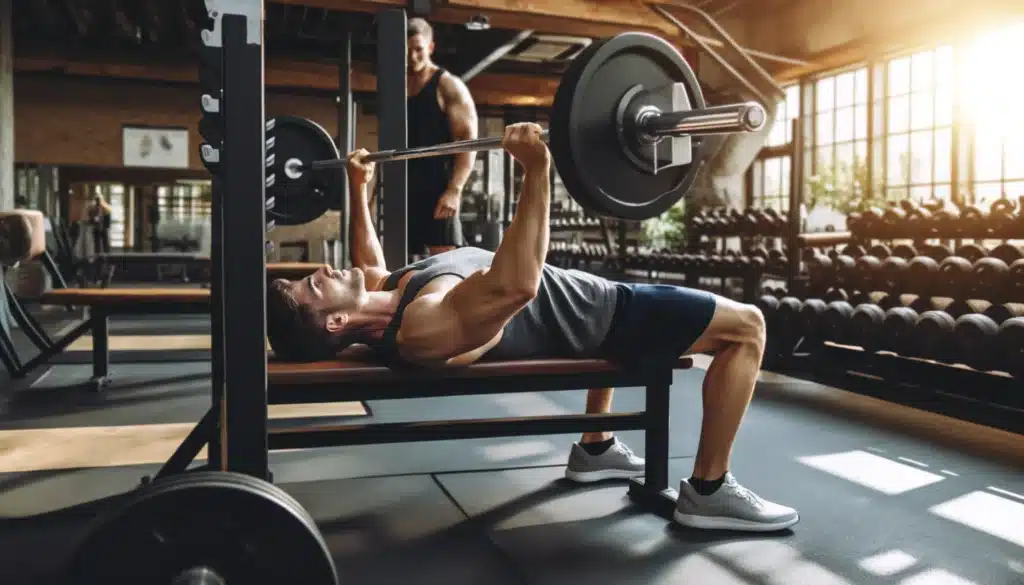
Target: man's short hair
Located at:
point(296, 332)
point(419, 26)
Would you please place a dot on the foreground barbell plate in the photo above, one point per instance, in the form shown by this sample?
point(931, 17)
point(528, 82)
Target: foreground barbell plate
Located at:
point(237, 527)
point(598, 170)
point(301, 197)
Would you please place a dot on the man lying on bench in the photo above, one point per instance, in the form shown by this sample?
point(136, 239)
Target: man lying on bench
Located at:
point(470, 304)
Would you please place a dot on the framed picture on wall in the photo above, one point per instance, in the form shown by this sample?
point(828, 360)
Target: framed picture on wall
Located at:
point(155, 147)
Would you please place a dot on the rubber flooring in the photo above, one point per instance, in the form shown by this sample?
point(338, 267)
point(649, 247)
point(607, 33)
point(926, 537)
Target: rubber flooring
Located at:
point(887, 495)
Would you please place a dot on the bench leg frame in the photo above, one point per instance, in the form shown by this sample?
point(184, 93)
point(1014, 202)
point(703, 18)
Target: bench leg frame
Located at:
point(653, 492)
point(100, 351)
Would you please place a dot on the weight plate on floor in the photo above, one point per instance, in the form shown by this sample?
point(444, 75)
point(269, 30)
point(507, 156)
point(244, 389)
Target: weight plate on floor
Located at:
point(591, 160)
point(242, 529)
point(302, 196)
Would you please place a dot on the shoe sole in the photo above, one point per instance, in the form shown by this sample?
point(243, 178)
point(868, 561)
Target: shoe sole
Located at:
point(723, 523)
point(592, 476)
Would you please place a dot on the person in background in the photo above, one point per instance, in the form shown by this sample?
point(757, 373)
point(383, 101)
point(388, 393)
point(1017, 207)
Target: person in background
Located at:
point(99, 224)
point(440, 109)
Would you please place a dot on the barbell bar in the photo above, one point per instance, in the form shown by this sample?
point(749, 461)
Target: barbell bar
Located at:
point(653, 125)
point(623, 132)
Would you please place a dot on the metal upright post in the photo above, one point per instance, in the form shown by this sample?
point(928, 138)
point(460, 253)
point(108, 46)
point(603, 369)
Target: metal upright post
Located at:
point(393, 134)
point(345, 134)
point(243, 206)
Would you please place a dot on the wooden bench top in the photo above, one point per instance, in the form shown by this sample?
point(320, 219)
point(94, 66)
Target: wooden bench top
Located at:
point(118, 296)
point(353, 369)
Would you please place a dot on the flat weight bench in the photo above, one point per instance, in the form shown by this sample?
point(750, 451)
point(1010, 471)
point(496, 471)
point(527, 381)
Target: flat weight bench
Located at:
point(102, 303)
point(353, 376)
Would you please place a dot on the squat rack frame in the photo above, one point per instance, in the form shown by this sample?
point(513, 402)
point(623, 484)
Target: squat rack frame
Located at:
point(234, 52)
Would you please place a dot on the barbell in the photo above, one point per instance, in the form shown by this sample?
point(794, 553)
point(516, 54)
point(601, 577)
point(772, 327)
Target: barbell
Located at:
point(621, 135)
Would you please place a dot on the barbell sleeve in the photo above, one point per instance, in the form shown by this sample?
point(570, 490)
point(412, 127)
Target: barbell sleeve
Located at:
point(726, 119)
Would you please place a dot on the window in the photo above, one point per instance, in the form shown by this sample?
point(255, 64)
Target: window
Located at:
point(114, 195)
point(787, 111)
point(918, 127)
point(992, 115)
point(771, 183)
point(840, 126)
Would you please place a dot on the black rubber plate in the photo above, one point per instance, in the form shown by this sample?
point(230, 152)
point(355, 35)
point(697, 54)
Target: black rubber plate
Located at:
point(246, 530)
point(585, 147)
point(303, 199)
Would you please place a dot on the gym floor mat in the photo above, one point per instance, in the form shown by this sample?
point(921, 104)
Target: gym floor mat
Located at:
point(26, 450)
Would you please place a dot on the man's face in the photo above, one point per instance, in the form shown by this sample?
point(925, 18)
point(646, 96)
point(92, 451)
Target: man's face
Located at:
point(337, 294)
point(420, 49)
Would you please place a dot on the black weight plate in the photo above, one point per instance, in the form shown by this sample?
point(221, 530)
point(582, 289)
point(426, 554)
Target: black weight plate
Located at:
point(301, 199)
point(584, 143)
point(245, 530)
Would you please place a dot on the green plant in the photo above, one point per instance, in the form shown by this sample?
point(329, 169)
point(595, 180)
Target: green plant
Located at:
point(667, 230)
point(842, 187)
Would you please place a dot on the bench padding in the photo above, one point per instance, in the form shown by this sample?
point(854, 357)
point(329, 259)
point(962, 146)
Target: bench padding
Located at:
point(355, 368)
point(120, 296)
point(22, 235)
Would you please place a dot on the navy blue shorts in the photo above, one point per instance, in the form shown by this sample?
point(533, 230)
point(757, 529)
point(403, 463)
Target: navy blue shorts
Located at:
point(655, 323)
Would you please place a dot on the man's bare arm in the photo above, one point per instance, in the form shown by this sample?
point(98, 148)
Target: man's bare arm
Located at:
point(478, 308)
point(365, 250)
point(462, 120)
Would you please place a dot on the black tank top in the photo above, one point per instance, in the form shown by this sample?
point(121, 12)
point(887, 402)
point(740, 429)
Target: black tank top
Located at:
point(569, 318)
point(428, 126)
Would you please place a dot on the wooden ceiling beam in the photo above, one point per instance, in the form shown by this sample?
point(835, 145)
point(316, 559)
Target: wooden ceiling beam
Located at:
point(487, 88)
point(587, 18)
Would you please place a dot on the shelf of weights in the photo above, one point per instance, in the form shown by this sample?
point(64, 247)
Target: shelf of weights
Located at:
point(731, 252)
point(928, 299)
point(583, 241)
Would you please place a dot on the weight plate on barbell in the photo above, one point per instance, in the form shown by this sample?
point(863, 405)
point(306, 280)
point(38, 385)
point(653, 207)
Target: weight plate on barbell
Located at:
point(243, 529)
point(300, 197)
point(590, 158)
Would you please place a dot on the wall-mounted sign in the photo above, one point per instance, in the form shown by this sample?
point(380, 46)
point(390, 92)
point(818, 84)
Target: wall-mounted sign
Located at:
point(155, 148)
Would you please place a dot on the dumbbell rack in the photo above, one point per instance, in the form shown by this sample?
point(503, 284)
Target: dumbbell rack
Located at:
point(925, 316)
point(707, 253)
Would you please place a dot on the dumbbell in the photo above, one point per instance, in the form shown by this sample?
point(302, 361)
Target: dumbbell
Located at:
point(774, 222)
point(1007, 253)
point(868, 273)
point(769, 306)
point(844, 271)
point(1002, 218)
point(854, 250)
point(972, 252)
point(919, 222)
point(788, 325)
point(905, 251)
point(989, 277)
point(972, 222)
point(893, 273)
point(947, 221)
point(1010, 347)
point(835, 322)
point(836, 294)
point(812, 313)
point(865, 328)
point(923, 272)
point(898, 330)
point(976, 340)
point(893, 222)
point(880, 251)
point(933, 336)
point(954, 276)
point(1015, 280)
